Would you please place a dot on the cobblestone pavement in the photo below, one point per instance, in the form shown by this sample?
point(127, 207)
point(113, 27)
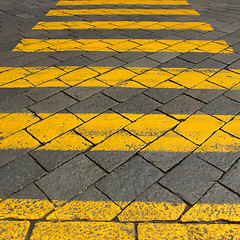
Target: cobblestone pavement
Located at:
point(119, 119)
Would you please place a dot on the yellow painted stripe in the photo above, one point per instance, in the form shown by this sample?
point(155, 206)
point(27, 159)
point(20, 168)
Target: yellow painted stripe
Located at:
point(123, 45)
point(157, 231)
point(106, 11)
point(83, 230)
point(14, 229)
point(57, 129)
point(34, 209)
point(27, 77)
point(138, 2)
point(151, 25)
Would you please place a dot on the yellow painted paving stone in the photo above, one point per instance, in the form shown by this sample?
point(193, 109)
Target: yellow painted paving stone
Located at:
point(217, 204)
point(122, 45)
point(19, 140)
point(101, 69)
point(86, 210)
point(30, 209)
point(216, 46)
point(116, 76)
point(78, 76)
point(157, 231)
point(189, 78)
point(53, 126)
point(225, 78)
point(102, 126)
point(12, 74)
point(198, 127)
point(104, 11)
point(147, 2)
point(17, 84)
point(83, 230)
point(170, 142)
point(44, 75)
point(69, 141)
point(14, 229)
point(12, 123)
point(220, 142)
point(152, 77)
point(233, 127)
point(151, 126)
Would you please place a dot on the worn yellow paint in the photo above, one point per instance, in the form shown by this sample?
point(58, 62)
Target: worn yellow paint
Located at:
point(53, 126)
point(189, 78)
point(152, 211)
point(151, 126)
point(19, 140)
point(170, 142)
point(120, 45)
point(138, 2)
point(14, 229)
point(157, 231)
point(31, 209)
point(120, 141)
point(102, 126)
point(152, 25)
point(225, 78)
point(198, 127)
point(116, 76)
point(152, 77)
point(117, 11)
point(15, 122)
point(77, 76)
point(86, 210)
point(68, 141)
point(83, 230)
point(46, 77)
point(212, 212)
point(220, 142)
point(233, 126)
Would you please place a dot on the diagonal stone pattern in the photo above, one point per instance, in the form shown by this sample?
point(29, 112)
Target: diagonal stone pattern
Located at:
point(132, 118)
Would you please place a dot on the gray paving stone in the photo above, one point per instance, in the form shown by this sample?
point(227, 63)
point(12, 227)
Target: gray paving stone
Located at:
point(210, 63)
point(52, 159)
point(227, 58)
point(235, 65)
point(130, 56)
point(139, 104)
point(177, 63)
point(53, 104)
point(75, 61)
point(163, 57)
point(68, 180)
point(205, 95)
point(182, 105)
point(15, 103)
point(108, 62)
point(129, 180)
point(231, 178)
point(121, 94)
point(191, 179)
point(79, 92)
point(195, 57)
point(222, 106)
point(163, 95)
point(40, 93)
point(143, 62)
point(97, 103)
point(96, 56)
point(17, 174)
point(10, 92)
point(220, 195)
point(234, 93)
point(47, 61)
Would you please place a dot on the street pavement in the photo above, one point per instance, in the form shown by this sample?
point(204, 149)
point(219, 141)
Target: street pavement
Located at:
point(119, 119)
